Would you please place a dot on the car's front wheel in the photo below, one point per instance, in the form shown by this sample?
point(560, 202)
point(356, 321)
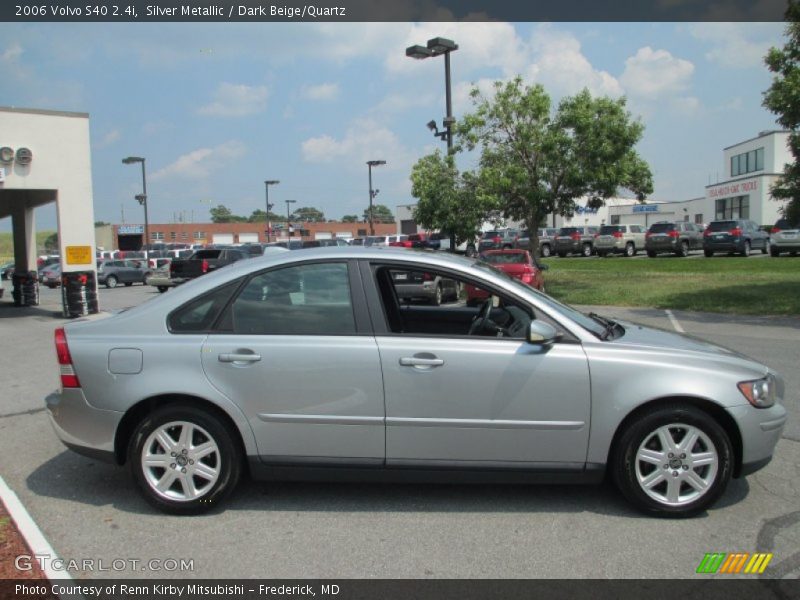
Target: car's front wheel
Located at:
point(111, 281)
point(184, 459)
point(673, 461)
point(545, 251)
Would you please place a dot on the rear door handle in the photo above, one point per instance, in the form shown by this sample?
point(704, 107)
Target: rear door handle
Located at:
point(233, 358)
point(415, 361)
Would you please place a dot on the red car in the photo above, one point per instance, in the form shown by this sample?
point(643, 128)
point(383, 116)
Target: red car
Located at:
point(516, 263)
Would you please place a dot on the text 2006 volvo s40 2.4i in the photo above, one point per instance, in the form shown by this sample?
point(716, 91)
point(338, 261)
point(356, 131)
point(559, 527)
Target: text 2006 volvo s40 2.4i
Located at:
point(306, 364)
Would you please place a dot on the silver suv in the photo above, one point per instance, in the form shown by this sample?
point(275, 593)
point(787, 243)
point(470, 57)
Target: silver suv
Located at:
point(785, 237)
point(575, 240)
point(619, 239)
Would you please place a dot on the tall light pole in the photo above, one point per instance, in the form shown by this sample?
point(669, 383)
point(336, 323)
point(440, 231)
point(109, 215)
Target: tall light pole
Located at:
point(372, 193)
point(142, 198)
point(268, 183)
point(289, 216)
point(437, 47)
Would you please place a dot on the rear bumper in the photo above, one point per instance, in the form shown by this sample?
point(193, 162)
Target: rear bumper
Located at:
point(732, 246)
point(568, 247)
point(670, 246)
point(615, 247)
point(81, 427)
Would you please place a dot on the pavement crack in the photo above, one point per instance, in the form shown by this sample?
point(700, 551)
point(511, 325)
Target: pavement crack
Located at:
point(32, 411)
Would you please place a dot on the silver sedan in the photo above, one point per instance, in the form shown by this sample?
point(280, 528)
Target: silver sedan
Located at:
point(308, 365)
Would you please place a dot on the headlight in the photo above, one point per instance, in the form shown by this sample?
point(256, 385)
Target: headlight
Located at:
point(760, 392)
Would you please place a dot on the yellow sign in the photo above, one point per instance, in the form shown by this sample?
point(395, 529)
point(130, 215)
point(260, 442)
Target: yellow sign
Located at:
point(79, 255)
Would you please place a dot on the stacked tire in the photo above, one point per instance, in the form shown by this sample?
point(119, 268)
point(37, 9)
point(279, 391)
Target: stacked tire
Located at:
point(25, 290)
point(79, 293)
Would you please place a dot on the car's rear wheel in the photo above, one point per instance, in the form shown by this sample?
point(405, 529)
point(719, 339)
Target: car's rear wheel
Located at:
point(602, 253)
point(184, 459)
point(773, 251)
point(545, 251)
point(673, 461)
point(683, 249)
point(437, 296)
point(630, 249)
point(708, 253)
point(765, 249)
point(746, 249)
point(111, 281)
point(586, 250)
point(162, 288)
point(651, 253)
point(562, 254)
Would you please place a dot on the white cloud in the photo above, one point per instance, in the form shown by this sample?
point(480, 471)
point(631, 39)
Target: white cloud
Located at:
point(236, 100)
point(560, 65)
point(199, 164)
point(737, 45)
point(323, 91)
point(654, 73)
point(108, 139)
point(365, 139)
point(12, 53)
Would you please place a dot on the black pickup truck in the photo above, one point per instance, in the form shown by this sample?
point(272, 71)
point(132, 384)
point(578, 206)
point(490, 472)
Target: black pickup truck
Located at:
point(204, 261)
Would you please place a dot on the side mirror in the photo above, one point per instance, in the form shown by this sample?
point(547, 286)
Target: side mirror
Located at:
point(543, 267)
point(541, 334)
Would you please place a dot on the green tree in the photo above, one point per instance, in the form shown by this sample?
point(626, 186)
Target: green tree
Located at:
point(222, 214)
point(380, 214)
point(51, 244)
point(783, 98)
point(533, 162)
point(260, 216)
point(448, 200)
point(101, 223)
point(350, 219)
point(309, 214)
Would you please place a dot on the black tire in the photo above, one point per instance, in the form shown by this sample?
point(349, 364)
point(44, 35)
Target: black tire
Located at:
point(229, 458)
point(545, 251)
point(146, 275)
point(586, 250)
point(437, 296)
point(766, 248)
point(652, 253)
point(708, 253)
point(162, 288)
point(625, 470)
point(746, 249)
point(630, 249)
point(471, 252)
point(602, 253)
point(562, 254)
point(683, 249)
point(111, 281)
point(774, 252)
point(128, 283)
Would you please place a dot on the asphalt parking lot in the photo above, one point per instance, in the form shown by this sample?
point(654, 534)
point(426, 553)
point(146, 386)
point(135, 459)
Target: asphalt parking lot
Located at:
point(89, 510)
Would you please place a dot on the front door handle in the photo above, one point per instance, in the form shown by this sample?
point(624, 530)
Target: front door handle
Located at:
point(418, 361)
point(235, 358)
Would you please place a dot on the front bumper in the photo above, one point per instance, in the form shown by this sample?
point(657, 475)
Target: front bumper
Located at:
point(81, 427)
point(761, 430)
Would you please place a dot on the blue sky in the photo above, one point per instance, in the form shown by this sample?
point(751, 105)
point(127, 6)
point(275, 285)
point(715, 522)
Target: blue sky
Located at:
point(218, 108)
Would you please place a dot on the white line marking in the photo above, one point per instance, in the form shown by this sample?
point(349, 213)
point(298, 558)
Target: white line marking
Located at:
point(674, 322)
point(34, 537)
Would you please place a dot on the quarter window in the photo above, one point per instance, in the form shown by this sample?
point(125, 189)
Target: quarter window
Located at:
point(311, 299)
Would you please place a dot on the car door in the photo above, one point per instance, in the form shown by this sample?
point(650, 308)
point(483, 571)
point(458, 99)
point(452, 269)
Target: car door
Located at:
point(295, 352)
point(460, 400)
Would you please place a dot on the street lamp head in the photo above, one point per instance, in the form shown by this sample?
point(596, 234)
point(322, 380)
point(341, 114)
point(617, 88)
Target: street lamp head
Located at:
point(376, 163)
point(141, 198)
point(441, 45)
point(432, 126)
point(418, 52)
point(271, 182)
point(132, 159)
point(290, 201)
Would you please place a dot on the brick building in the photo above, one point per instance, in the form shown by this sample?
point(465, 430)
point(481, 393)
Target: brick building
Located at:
point(130, 237)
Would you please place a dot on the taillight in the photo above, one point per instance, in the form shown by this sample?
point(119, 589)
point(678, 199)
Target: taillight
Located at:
point(707, 233)
point(496, 240)
point(526, 278)
point(596, 235)
point(68, 377)
point(576, 236)
point(674, 234)
point(204, 266)
point(735, 232)
point(617, 234)
point(648, 234)
point(775, 230)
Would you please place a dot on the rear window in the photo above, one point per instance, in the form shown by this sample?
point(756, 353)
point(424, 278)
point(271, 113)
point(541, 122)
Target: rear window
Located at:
point(198, 315)
point(785, 224)
point(568, 230)
point(609, 229)
point(662, 227)
point(722, 225)
point(504, 258)
point(207, 254)
point(491, 234)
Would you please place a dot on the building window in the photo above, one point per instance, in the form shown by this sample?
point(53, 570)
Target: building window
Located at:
point(173, 235)
point(199, 235)
point(698, 219)
point(747, 162)
point(157, 235)
point(184, 235)
point(733, 208)
point(615, 219)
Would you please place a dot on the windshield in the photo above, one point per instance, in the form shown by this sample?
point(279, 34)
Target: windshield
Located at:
point(661, 227)
point(722, 225)
point(503, 258)
point(578, 317)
